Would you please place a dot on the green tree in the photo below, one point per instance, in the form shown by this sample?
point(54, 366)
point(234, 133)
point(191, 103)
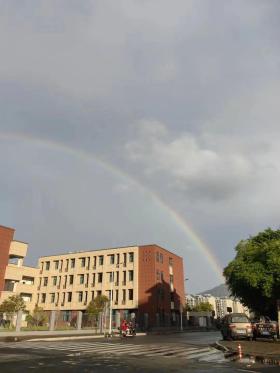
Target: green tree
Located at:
point(203, 307)
point(38, 318)
point(97, 305)
point(254, 274)
point(12, 305)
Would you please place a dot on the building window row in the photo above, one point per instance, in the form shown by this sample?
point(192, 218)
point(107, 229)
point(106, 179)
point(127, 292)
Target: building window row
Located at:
point(83, 296)
point(85, 262)
point(84, 279)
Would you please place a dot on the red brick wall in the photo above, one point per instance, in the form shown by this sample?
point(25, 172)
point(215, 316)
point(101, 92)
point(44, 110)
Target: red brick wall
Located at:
point(149, 285)
point(6, 236)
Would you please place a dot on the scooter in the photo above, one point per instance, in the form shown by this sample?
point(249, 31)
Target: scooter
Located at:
point(129, 332)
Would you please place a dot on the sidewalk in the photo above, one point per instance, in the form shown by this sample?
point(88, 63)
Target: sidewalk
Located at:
point(264, 348)
point(52, 335)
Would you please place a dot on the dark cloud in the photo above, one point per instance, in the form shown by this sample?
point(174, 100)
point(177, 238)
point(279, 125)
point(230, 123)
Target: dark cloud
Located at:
point(202, 75)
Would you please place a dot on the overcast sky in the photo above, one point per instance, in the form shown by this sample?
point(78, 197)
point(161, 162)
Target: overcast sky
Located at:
point(115, 113)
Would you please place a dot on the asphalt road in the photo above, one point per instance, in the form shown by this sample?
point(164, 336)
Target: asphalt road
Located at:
point(187, 352)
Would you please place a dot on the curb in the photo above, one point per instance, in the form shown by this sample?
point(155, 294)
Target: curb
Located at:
point(31, 338)
point(220, 347)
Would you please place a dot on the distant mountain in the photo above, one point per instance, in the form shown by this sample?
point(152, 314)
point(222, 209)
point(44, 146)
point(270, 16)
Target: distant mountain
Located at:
point(218, 291)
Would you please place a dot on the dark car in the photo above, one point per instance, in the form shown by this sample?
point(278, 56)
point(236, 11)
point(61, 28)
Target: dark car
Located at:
point(263, 327)
point(236, 326)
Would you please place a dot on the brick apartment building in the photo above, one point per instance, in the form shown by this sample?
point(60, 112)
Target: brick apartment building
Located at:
point(147, 281)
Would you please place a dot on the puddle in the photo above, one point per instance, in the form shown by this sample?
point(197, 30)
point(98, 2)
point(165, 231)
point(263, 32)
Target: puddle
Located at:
point(250, 360)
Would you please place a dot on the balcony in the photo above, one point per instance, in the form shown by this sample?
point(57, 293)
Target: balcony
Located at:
point(13, 272)
point(25, 288)
point(18, 249)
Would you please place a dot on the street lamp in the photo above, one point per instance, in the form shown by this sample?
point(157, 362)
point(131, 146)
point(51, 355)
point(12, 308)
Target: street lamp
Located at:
point(181, 312)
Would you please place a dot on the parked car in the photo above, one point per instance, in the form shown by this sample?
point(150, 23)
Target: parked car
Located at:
point(263, 327)
point(236, 326)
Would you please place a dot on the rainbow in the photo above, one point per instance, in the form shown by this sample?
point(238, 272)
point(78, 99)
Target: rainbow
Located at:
point(85, 155)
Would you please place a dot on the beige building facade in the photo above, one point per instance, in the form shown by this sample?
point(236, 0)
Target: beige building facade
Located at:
point(141, 282)
point(15, 277)
point(71, 281)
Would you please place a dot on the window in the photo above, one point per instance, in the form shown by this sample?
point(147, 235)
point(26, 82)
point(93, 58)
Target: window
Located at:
point(92, 295)
point(171, 279)
point(43, 298)
point(47, 266)
point(56, 263)
point(80, 296)
point(54, 279)
point(82, 279)
point(52, 297)
point(101, 260)
point(71, 279)
point(99, 277)
point(161, 276)
point(111, 276)
point(118, 258)
point(157, 256)
point(45, 283)
point(72, 263)
point(124, 258)
point(99, 293)
point(131, 257)
point(130, 275)
point(130, 294)
point(123, 295)
point(83, 262)
point(124, 277)
point(161, 258)
point(94, 262)
point(69, 297)
point(171, 262)
point(158, 275)
point(112, 259)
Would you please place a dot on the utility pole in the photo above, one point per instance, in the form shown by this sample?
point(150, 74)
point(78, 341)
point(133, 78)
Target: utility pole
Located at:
point(278, 312)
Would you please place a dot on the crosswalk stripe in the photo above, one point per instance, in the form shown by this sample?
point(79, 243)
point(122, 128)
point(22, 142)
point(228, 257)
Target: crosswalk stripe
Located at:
point(193, 351)
point(195, 356)
point(121, 349)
